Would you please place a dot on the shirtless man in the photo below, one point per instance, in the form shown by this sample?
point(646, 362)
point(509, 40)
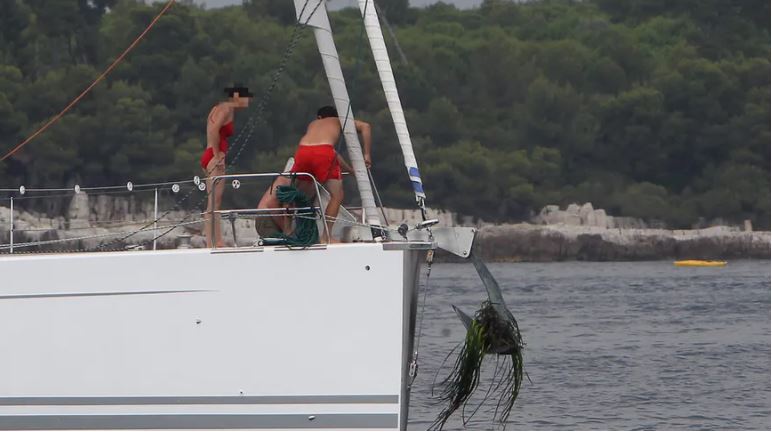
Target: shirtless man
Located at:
point(316, 155)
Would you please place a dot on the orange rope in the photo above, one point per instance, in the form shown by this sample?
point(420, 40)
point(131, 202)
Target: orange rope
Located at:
point(88, 89)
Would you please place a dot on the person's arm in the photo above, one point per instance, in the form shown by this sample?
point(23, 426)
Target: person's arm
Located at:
point(367, 140)
point(343, 164)
point(216, 120)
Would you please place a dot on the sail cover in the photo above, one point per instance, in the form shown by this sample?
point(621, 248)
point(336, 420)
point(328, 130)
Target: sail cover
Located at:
point(382, 63)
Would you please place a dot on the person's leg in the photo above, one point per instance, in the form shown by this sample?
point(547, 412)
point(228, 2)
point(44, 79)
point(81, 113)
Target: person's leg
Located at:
point(308, 189)
point(213, 203)
point(207, 213)
point(335, 188)
point(269, 200)
point(219, 189)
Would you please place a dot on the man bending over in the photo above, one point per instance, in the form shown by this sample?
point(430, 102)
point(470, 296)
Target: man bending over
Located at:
point(316, 155)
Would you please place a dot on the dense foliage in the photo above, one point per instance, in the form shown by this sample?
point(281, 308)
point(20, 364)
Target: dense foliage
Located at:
point(648, 108)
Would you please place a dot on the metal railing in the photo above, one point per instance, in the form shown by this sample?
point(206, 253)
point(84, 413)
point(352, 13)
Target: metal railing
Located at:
point(28, 193)
point(232, 214)
point(23, 193)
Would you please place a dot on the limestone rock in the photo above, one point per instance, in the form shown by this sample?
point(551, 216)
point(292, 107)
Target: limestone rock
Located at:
point(599, 218)
point(572, 215)
point(620, 222)
point(413, 216)
point(526, 242)
point(198, 241)
point(578, 232)
point(245, 232)
point(5, 215)
point(548, 215)
point(78, 212)
point(585, 213)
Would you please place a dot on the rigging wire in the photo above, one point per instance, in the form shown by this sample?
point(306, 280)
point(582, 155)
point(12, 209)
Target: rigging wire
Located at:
point(354, 77)
point(353, 81)
point(89, 237)
point(382, 16)
point(245, 132)
point(104, 74)
point(253, 119)
point(378, 197)
point(239, 142)
point(413, 367)
point(249, 128)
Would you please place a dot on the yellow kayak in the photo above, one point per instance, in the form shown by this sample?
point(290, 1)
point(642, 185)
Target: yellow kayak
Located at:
point(699, 263)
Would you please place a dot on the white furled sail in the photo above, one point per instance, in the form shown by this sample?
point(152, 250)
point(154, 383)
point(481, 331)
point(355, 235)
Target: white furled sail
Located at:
point(382, 63)
point(314, 14)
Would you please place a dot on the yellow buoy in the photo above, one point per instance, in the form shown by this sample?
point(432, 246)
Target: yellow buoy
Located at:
point(699, 263)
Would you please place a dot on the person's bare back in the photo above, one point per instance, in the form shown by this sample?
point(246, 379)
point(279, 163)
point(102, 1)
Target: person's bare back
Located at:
point(322, 131)
point(326, 130)
point(316, 155)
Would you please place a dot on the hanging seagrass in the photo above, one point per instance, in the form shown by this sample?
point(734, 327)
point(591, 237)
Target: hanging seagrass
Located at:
point(492, 331)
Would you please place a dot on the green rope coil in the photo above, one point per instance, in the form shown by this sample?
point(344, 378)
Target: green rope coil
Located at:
point(490, 332)
point(306, 232)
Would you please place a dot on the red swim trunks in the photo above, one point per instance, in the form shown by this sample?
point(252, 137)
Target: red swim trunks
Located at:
point(225, 131)
point(321, 161)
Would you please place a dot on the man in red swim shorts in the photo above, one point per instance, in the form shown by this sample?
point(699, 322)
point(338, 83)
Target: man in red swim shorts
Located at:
point(316, 155)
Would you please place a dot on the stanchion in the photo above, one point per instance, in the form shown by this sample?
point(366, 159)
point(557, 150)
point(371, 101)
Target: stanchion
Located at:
point(11, 229)
point(155, 217)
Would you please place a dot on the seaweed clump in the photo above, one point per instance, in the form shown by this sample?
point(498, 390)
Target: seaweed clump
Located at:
point(492, 331)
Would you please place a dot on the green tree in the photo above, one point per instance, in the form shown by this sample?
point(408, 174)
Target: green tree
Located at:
point(648, 108)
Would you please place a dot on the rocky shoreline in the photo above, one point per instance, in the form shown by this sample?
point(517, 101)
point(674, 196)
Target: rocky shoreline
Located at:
point(576, 233)
point(587, 234)
point(528, 242)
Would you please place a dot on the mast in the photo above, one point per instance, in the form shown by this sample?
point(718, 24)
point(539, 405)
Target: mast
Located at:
point(314, 14)
point(382, 63)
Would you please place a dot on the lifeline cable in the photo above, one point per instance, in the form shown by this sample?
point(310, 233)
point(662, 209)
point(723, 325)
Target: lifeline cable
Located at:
point(247, 130)
point(251, 122)
point(261, 105)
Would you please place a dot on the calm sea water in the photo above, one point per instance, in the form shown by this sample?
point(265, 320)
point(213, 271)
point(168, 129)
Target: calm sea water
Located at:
point(616, 345)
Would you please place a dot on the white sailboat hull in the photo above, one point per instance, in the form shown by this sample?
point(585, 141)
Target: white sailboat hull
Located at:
point(248, 338)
